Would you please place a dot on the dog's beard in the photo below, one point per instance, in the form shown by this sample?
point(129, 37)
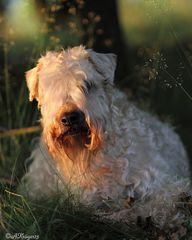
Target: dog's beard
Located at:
point(80, 144)
point(75, 153)
point(74, 145)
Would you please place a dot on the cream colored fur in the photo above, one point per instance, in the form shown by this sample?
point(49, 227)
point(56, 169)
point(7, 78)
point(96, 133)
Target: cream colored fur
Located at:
point(131, 154)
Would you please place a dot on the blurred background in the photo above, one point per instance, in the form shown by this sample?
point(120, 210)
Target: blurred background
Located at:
point(152, 39)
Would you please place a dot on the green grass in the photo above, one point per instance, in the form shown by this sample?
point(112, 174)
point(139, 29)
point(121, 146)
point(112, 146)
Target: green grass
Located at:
point(54, 219)
point(63, 217)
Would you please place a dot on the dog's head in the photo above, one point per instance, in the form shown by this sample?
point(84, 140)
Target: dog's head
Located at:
point(73, 88)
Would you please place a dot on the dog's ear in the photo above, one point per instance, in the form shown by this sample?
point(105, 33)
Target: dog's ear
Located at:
point(32, 82)
point(105, 64)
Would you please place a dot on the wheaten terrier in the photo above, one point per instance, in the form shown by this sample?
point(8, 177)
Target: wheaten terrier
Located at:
point(110, 153)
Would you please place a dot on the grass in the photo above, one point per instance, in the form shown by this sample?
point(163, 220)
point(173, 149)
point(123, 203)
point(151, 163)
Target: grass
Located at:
point(54, 219)
point(63, 217)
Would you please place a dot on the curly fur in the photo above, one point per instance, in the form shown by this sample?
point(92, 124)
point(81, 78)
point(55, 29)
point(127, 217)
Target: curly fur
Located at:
point(128, 153)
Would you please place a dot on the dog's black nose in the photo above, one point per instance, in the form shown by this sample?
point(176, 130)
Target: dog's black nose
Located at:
point(72, 118)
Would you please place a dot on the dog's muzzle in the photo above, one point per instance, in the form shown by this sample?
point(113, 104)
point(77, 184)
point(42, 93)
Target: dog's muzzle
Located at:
point(76, 134)
point(75, 123)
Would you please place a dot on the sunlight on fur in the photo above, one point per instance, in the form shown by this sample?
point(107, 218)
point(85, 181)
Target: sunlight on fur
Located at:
point(100, 144)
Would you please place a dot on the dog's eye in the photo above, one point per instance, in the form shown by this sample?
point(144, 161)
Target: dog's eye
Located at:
point(89, 85)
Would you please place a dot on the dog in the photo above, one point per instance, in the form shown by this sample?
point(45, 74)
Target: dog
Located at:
point(112, 154)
